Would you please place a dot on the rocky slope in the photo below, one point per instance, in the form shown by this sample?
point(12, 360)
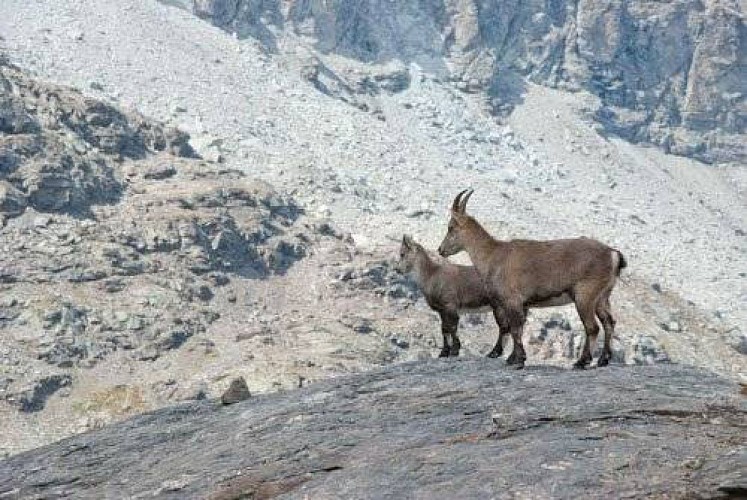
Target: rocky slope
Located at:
point(438, 429)
point(668, 73)
point(115, 240)
point(190, 272)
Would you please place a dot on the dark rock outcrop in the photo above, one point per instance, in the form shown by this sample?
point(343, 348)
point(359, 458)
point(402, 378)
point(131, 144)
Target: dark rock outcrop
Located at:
point(34, 399)
point(60, 151)
point(439, 429)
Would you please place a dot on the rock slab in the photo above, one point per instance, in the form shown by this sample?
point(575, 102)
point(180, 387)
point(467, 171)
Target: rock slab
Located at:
point(436, 429)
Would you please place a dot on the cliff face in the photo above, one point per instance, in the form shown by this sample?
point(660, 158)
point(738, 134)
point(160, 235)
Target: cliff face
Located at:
point(438, 429)
point(668, 73)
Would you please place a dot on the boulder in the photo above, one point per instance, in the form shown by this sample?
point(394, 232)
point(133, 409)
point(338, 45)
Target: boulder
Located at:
point(237, 391)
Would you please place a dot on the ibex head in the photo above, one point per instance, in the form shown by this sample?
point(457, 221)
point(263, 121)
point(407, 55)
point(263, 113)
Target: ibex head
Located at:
point(407, 255)
point(453, 241)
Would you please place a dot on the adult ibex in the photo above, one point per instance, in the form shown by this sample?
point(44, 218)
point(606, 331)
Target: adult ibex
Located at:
point(520, 274)
point(448, 289)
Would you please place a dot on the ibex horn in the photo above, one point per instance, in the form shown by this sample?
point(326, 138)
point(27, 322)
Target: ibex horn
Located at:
point(463, 206)
point(457, 205)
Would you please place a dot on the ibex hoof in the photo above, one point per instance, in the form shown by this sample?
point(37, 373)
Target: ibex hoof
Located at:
point(495, 354)
point(513, 359)
point(603, 362)
point(453, 353)
point(580, 364)
point(444, 353)
point(519, 365)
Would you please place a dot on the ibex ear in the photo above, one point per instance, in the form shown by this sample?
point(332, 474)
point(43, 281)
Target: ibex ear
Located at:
point(458, 218)
point(407, 241)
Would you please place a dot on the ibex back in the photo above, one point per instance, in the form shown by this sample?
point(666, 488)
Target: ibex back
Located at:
point(520, 274)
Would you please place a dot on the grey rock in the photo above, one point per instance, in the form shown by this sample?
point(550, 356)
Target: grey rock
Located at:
point(114, 285)
point(66, 183)
point(738, 341)
point(175, 338)
point(76, 35)
point(392, 77)
point(362, 326)
point(283, 254)
point(237, 391)
point(148, 352)
point(5, 384)
point(671, 326)
point(160, 172)
point(557, 321)
point(262, 331)
point(402, 344)
point(64, 352)
point(83, 275)
point(42, 221)
point(255, 19)
point(223, 11)
point(8, 313)
point(12, 200)
point(439, 430)
point(648, 350)
point(35, 398)
point(204, 293)
point(14, 119)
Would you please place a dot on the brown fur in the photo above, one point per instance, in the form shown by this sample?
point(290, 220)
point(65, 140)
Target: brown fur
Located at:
point(448, 289)
point(520, 274)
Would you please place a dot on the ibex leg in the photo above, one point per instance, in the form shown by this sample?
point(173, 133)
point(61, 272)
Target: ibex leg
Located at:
point(449, 326)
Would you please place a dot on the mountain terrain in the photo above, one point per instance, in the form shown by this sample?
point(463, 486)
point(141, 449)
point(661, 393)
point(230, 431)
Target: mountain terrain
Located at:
point(193, 191)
